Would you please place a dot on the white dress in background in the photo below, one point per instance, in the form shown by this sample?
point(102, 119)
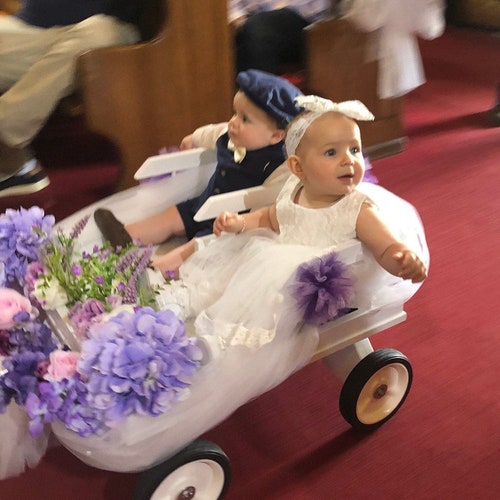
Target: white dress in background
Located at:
point(396, 25)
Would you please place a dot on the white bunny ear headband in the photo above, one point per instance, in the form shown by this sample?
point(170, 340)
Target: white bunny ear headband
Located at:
point(316, 106)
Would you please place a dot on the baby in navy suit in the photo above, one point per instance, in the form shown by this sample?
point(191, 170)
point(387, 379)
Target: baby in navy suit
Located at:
point(249, 148)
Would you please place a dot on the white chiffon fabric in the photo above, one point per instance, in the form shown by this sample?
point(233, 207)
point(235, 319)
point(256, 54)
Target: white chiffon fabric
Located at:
point(249, 327)
point(17, 449)
point(395, 25)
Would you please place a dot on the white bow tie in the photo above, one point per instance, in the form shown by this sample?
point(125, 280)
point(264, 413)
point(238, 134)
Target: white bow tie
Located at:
point(239, 153)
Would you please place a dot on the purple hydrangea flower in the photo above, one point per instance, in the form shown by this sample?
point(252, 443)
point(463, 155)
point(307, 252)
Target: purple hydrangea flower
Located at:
point(322, 289)
point(20, 379)
point(137, 363)
point(31, 336)
point(64, 400)
point(23, 234)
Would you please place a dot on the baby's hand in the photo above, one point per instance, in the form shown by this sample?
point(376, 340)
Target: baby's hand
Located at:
point(187, 143)
point(412, 268)
point(229, 222)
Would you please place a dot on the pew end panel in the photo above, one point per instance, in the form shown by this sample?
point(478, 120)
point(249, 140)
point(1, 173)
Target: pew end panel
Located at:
point(150, 95)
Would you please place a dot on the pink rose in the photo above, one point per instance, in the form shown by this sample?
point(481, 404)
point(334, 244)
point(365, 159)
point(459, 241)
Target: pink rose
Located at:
point(62, 365)
point(11, 303)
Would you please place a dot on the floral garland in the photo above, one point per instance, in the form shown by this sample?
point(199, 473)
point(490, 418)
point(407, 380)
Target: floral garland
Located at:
point(133, 359)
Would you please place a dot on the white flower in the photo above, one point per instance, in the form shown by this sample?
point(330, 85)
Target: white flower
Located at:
point(116, 311)
point(174, 296)
point(52, 296)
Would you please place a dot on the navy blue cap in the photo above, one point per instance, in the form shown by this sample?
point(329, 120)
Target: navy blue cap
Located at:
point(271, 93)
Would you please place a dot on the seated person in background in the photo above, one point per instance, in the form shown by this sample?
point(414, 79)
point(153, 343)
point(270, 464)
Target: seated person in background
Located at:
point(249, 148)
point(39, 46)
point(268, 33)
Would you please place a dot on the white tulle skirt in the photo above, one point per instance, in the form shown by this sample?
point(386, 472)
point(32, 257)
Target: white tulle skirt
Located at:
point(238, 283)
point(17, 448)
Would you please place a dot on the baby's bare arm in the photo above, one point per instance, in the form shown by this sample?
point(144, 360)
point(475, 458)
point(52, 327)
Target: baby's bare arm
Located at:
point(401, 261)
point(187, 143)
point(231, 222)
point(395, 257)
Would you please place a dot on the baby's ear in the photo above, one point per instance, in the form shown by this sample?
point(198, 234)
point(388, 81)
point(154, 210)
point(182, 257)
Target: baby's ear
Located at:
point(278, 136)
point(293, 162)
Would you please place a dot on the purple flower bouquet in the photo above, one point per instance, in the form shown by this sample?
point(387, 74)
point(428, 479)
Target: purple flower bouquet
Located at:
point(124, 357)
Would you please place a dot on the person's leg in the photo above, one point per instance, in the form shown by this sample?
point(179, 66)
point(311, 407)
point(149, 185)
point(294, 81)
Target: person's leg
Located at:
point(20, 173)
point(20, 46)
point(150, 231)
point(270, 40)
point(11, 160)
point(27, 104)
point(157, 228)
point(171, 261)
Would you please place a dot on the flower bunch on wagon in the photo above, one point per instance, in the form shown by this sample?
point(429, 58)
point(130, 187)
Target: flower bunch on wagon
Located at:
point(125, 356)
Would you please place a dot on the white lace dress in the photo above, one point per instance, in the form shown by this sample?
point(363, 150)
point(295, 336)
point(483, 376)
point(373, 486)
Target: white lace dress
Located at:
point(237, 283)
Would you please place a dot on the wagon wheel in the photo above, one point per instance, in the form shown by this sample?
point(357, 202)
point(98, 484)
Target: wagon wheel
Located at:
point(375, 389)
point(200, 471)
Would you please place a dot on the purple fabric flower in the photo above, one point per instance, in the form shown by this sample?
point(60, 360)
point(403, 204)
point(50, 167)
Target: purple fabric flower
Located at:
point(23, 233)
point(322, 289)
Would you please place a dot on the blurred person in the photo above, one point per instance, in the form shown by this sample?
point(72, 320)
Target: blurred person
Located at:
point(39, 45)
point(395, 26)
point(269, 33)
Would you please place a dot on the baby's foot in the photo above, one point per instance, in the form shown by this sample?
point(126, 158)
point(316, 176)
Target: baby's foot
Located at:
point(111, 228)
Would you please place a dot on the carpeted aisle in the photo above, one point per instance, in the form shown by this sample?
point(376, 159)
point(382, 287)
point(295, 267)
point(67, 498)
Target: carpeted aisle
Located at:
point(291, 443)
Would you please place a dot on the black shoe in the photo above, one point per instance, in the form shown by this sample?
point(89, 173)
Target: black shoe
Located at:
point(111, 228)
point(29, 182)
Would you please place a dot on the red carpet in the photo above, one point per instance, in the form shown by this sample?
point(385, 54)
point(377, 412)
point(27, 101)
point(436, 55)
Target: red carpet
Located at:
point(292, 443)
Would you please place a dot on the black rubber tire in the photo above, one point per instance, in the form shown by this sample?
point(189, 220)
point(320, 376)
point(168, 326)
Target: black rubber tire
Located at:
point(380, 381)
point(199, 450)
